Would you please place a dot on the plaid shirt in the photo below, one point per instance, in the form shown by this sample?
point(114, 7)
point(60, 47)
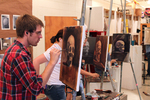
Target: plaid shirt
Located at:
point(18, 79)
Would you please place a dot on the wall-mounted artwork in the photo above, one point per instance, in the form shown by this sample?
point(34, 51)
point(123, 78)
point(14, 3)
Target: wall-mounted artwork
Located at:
point(147, 36)
point(73, 38)
point(14, 21)
point(99, 57)
point(88, 50)
point(5, 22)
point(121, 47)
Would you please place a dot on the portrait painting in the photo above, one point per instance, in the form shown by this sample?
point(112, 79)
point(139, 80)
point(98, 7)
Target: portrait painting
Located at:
point(14, 21)
point(147, 36)
point(88, 50)
point(73, 38)
point(121, 47)
point(5, 22)
point(100, 52)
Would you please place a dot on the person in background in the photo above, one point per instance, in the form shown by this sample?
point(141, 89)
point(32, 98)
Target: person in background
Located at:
point(72, 93)
point(18, 79)
point(148, 58)
point(100, 72)
point(55, 89)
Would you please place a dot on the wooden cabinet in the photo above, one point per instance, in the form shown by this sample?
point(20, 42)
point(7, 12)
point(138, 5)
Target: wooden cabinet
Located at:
point(10, 35)
point(142, 32)
point(142, 36)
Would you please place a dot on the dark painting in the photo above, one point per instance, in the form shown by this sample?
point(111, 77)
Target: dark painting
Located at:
point(99, 57)
point(71, 56)
point(121, 47)
point(88, 50)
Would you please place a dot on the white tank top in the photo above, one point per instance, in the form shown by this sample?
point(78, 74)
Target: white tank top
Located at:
point(54, 78)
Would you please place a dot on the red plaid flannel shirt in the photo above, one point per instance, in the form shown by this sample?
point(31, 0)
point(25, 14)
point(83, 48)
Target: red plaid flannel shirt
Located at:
point(18, 79)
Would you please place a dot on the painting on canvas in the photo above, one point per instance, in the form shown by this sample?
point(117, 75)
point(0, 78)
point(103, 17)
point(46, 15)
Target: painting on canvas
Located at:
point(121, 47)
point(73, 38)
point(88, 50)
point(99, 57)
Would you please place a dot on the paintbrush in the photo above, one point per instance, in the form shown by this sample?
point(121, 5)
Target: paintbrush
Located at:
point(63, 49)
point(146, 93)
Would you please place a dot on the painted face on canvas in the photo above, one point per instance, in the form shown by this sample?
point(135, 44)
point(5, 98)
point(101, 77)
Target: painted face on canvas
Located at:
point(98, 50)
point(120, 45)
point(70, 49)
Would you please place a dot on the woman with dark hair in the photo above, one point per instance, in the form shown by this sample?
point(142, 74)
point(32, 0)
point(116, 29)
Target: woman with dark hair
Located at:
point(55, 89)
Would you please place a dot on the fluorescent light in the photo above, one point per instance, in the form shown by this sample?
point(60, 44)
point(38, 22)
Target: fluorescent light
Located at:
point(148, 1)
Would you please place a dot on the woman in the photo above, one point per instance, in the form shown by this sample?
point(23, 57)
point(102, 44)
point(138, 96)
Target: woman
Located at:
point(55, 89)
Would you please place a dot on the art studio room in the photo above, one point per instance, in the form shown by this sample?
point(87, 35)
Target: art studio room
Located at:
point(75, 50)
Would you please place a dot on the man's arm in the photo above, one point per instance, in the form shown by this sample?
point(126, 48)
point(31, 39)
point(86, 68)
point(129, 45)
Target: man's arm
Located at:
point(37, 61)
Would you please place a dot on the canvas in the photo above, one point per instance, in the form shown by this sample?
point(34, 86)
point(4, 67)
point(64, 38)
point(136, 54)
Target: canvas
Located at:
point(147, 36)
point(121, 47)
point(73, 38)
point(100, 52)
point(88, 50)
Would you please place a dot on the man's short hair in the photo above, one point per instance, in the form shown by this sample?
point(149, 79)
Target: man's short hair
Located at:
point(27, 22)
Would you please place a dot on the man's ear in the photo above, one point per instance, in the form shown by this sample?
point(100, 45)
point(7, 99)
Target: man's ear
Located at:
point(60, 39)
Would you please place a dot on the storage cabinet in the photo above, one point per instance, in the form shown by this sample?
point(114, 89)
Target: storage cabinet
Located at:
point(13, 34)
point(142, 32)
point(142, 36)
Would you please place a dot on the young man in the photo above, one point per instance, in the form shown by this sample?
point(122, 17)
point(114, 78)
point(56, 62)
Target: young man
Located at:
point(18, 79)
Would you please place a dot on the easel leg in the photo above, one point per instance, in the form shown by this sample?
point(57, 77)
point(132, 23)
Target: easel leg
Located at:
point(135, 79)
point(114, 89)
point(101, 86)
point(120, 77)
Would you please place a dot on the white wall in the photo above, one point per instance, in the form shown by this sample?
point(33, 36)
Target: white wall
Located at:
point(43, 8)
point(106, 4)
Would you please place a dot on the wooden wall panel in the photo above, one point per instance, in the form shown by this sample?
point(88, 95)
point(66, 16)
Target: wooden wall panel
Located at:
point(14, 7)
point(53, 24)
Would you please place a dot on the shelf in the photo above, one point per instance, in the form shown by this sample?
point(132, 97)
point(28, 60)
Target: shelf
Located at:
point(2, 51)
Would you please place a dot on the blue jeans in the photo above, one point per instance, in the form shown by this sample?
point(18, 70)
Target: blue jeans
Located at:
point(82, 91)
point(55, 92)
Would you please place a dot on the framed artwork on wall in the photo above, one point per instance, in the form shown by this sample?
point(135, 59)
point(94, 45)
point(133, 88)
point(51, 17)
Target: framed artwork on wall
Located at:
point(14, 21)
point(5, 22)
